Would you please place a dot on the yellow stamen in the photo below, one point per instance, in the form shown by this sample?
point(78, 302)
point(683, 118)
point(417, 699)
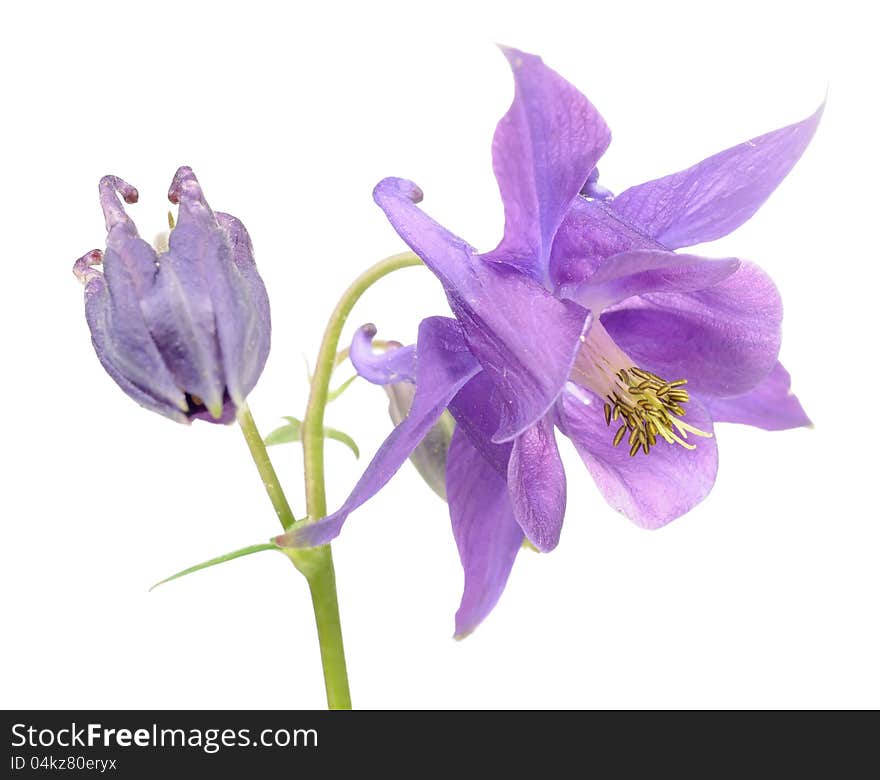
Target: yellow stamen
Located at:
point(651, 408)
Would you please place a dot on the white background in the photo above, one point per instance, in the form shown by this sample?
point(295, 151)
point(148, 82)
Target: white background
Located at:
point(764, 596)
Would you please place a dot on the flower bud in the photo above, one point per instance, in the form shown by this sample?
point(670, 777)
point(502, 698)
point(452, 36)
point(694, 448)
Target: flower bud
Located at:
point(184, 330)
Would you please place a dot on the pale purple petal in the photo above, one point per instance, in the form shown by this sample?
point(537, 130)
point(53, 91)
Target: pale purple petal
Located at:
point(770, 405)
point(200, 307)
point(381, 368)
point(255, 326)
point(717, 195)
point(486, 533)
point(523, 337)
point(653, 489)
point(544, 149)
point(590, 233)
point(724, 340)
point(536, 481)
point(444, 365)
point(129, 355)
point(113, 302)
point(180, 314)
point(650, 270)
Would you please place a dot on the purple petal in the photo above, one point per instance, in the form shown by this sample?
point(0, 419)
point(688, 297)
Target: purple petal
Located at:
point(724, 340)
point(120, 332)
point(770, 405)
point(524, 337)
point(381, 368)
point(544, 149)
point(717, 195)
point(129, 355)
point(487, 535)
point(429, 458)
point(650, 270)
point(202, 312)
point(536, 481)
point(180, 314)
point(477, 412)
point(444, 365)
point(590, 233)
point(253, 332)
point(653, 489)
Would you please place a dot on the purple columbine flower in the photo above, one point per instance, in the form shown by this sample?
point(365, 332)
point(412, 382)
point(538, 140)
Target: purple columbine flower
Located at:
point(582, 320)
point(183, 330)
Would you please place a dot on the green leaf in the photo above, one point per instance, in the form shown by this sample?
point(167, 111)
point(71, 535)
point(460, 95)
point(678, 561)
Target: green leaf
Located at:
point(293, 432)
point(254, 548)
point(334, 394)
point(286, 433)
point(343, 438)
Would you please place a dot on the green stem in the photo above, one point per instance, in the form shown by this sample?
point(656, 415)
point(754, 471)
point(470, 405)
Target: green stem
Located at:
point(264, 466)
point(317, 564)
point(321, 576)
point(317, 567)
point(313, 424)
point(322, 586)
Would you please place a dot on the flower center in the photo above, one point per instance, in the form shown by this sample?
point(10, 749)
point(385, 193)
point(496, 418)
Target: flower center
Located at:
point(647, 406)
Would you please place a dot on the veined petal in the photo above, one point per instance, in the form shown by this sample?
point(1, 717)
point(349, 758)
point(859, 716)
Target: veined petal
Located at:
point(486, 533)
point(590, 233)
point(381, 368)
point(653, 489)
point(246, 350)
point(536, 481)
point(770, 405)
point(201, 313)
point(444, 365)
point(544, 149)
point(114, 302)
point(715, 196)
point(129, 355)
point(180, 314)
point(525, 338)
point(643, 271)
point(724, 340)
point(527, 341)
point(477, 412)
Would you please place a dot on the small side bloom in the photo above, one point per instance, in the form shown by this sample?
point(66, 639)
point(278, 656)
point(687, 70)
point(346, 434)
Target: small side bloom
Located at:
point(184, 329)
